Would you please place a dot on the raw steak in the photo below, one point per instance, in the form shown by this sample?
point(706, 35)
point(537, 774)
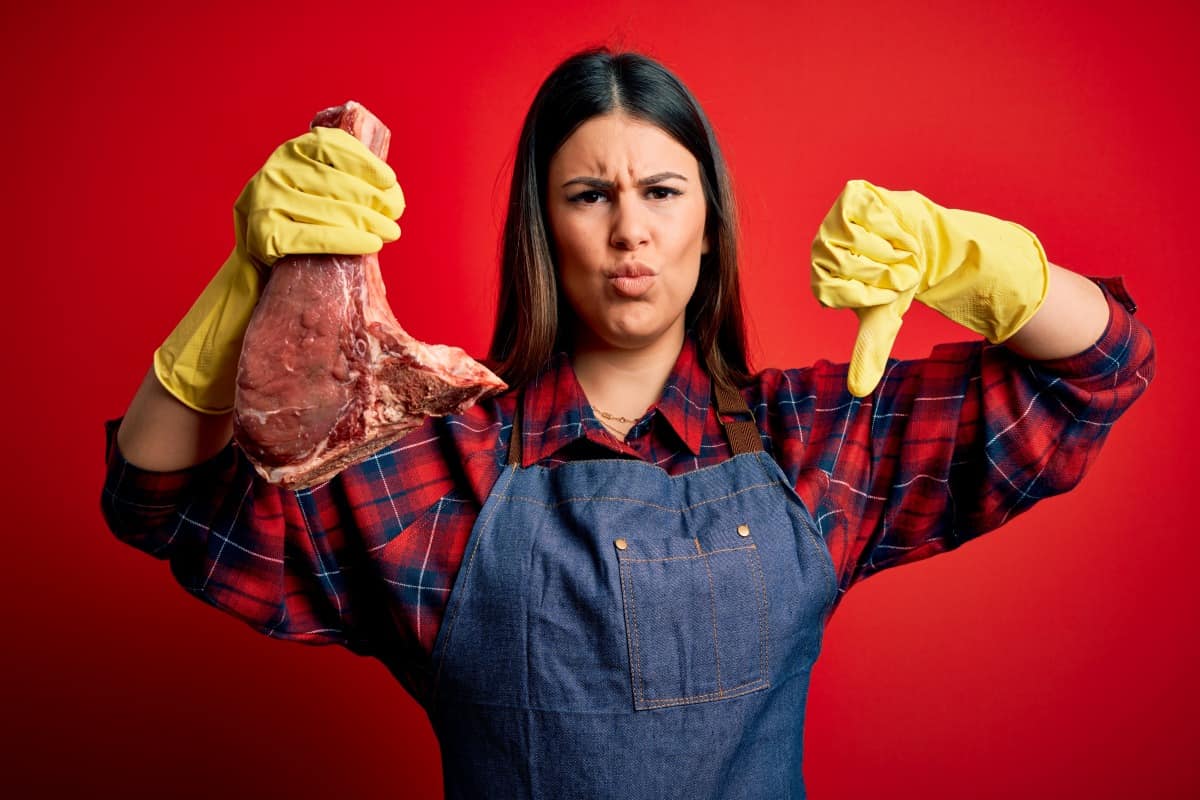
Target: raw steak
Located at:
point(327, 376)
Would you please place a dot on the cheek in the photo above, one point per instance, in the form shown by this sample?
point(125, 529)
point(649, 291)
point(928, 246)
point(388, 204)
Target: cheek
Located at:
point(701, 220)
point(691, 280)
point(690, 240)
point(688, 228)
point(574, 237)
point(571, 260)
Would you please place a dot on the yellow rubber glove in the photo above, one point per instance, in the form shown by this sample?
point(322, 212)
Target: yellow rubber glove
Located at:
point(877, 250)
point(323, 192)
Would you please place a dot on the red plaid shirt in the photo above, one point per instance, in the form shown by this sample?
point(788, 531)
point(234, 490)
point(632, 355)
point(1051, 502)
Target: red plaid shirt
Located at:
point(947, 448)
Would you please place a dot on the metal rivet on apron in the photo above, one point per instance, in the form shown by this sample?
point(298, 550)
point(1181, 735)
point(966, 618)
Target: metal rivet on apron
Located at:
point(743, 530)
point(621, 544)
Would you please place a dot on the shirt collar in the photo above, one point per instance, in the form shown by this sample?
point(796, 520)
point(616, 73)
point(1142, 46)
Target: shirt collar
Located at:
point(556, 412)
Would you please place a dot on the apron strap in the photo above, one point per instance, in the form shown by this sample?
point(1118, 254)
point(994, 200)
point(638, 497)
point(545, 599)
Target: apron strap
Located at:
point(742, 433)
point(514, 441)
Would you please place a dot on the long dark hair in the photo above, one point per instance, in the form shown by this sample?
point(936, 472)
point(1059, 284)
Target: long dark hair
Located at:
point(531, 308)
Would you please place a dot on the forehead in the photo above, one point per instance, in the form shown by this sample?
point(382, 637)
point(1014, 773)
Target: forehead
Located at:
point(616, 145)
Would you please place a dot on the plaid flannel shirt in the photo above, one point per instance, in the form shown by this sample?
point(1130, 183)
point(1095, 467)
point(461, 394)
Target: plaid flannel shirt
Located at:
point(947, 448)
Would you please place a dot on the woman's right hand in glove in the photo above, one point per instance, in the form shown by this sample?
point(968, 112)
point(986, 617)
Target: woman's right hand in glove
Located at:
point(320, 193)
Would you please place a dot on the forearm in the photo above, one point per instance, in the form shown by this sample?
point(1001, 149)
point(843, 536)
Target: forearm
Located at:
point(159, 433)
point(1071, 319)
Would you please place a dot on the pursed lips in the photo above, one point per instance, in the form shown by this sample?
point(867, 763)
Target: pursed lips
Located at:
point(632, 269)
point(632, 279)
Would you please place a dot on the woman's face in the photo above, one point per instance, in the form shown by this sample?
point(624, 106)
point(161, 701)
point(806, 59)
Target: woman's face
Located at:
point(627, 214)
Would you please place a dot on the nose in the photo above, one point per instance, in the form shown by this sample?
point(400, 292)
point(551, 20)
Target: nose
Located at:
point(630, 228)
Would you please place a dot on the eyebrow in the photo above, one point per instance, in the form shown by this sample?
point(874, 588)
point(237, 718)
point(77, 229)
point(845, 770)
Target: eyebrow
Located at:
point(603, 184)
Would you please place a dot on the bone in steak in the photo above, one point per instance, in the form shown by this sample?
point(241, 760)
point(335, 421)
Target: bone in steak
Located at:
point(327, 376)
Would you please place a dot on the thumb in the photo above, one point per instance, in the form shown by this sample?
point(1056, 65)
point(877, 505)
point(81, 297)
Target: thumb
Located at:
point(877, 329)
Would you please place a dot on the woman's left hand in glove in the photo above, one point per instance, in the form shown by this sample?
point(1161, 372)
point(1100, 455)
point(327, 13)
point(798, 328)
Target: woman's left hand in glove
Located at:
point(877, 250)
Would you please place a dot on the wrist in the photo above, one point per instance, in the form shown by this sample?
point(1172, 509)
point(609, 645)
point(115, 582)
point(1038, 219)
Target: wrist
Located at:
point(197, 363)
point(996, 275)
point(1072, 318)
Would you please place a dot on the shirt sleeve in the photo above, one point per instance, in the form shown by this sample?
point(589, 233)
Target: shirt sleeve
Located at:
point(365, 560)
point(950, 446)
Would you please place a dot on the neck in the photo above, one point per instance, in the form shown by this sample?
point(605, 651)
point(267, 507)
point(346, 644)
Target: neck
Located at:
point(626, 381)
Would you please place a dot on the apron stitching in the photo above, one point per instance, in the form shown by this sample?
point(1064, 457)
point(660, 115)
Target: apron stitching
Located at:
point(774, 479)
point(534, 501)
point(633, 462)
point(712, 595)
point(764, 626)
point(689, 557)
point(565, 501)
point(458, 606)
point(730, 693)
point(636, 649)
point(726, 694)
point(816, 543)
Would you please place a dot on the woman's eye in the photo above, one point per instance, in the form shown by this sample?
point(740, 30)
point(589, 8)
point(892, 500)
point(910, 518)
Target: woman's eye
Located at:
point(594, 196)
point(589, 197)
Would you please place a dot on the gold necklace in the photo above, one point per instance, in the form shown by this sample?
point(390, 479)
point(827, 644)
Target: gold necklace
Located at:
point(613, 417)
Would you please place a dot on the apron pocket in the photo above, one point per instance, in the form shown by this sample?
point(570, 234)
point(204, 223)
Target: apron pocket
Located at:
point(695, 618)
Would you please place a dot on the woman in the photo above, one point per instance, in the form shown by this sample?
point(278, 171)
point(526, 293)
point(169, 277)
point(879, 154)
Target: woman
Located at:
point(612, 579)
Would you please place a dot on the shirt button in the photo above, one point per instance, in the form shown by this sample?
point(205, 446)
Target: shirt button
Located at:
point(621, 544)
point(743, 530)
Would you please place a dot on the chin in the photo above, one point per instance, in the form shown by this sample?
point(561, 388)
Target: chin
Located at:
point(630, 335)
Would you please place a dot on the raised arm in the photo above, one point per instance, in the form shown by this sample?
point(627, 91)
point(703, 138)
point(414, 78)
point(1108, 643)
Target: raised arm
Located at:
point(323, 192)
point(942, 449)
point(948, 447)
point(160, 434)
point(1071, 319)
point(877, 250)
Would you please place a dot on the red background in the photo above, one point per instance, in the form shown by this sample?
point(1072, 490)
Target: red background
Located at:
point(1056, 658)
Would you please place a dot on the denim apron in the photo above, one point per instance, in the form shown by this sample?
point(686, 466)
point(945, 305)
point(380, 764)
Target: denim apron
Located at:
point(615, 631)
